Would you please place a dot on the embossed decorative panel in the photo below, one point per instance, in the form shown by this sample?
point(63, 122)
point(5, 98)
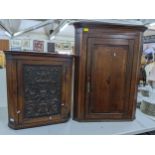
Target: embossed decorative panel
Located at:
point(42, 90)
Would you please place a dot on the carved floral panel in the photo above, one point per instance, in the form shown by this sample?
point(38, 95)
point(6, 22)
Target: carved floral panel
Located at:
point(42, 90)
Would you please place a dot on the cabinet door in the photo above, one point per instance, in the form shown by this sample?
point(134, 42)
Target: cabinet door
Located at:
point(43, 92)
point(109, 65)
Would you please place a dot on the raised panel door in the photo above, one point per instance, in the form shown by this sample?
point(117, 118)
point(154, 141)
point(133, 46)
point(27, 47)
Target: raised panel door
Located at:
point(109, 65)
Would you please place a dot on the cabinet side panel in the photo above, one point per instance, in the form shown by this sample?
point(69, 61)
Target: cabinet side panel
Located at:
point(135, 74)
point(12, 90)
point(80, 74)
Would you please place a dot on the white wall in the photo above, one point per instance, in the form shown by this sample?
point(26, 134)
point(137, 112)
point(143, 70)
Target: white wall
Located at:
point(3, 89)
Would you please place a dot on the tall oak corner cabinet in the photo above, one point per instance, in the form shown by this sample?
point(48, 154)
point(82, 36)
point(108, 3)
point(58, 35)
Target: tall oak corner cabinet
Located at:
point(106, 71)
point(39, 88)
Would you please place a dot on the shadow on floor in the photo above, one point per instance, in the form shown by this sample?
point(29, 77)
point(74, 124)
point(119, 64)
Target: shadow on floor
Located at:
point(148, 133)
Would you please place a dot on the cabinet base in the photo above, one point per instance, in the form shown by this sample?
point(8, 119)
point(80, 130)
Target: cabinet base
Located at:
point(24, 126)
point(104, 120)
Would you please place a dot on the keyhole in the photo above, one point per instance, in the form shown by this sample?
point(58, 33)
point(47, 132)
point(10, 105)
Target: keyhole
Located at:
point(50, 118)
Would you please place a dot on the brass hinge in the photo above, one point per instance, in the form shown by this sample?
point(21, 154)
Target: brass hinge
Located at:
point(88, 87)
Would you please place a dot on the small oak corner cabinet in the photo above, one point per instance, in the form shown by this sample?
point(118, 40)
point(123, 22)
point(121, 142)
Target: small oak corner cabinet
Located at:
point(107, 70)
point(39, 88)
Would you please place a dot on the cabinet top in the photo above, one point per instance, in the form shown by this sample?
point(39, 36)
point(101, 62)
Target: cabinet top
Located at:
point(141, 28)
point(41, 54)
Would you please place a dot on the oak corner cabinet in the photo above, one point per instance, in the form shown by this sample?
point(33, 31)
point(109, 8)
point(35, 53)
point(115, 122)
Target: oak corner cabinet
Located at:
point(39, 88)
point(106, 71)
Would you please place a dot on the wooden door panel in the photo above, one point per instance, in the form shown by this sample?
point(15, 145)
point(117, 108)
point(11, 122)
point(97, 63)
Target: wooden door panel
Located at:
point(41, 93)
point(100, 79)
point(108, 72)
point(108, 69)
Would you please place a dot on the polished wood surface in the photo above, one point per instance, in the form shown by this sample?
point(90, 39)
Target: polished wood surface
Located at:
point(39, 88)
point(106, 71)
point(108, 68)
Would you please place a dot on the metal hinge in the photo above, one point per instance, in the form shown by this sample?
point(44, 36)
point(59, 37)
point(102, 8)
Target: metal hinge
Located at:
point(12, 120)
point(88, 87)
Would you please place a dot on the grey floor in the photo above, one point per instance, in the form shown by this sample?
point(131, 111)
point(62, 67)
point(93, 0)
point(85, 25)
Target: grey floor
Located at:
point(140, 125)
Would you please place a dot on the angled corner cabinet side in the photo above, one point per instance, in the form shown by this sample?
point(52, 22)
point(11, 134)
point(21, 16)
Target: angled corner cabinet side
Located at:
point(39, 88)
point(107, 70)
